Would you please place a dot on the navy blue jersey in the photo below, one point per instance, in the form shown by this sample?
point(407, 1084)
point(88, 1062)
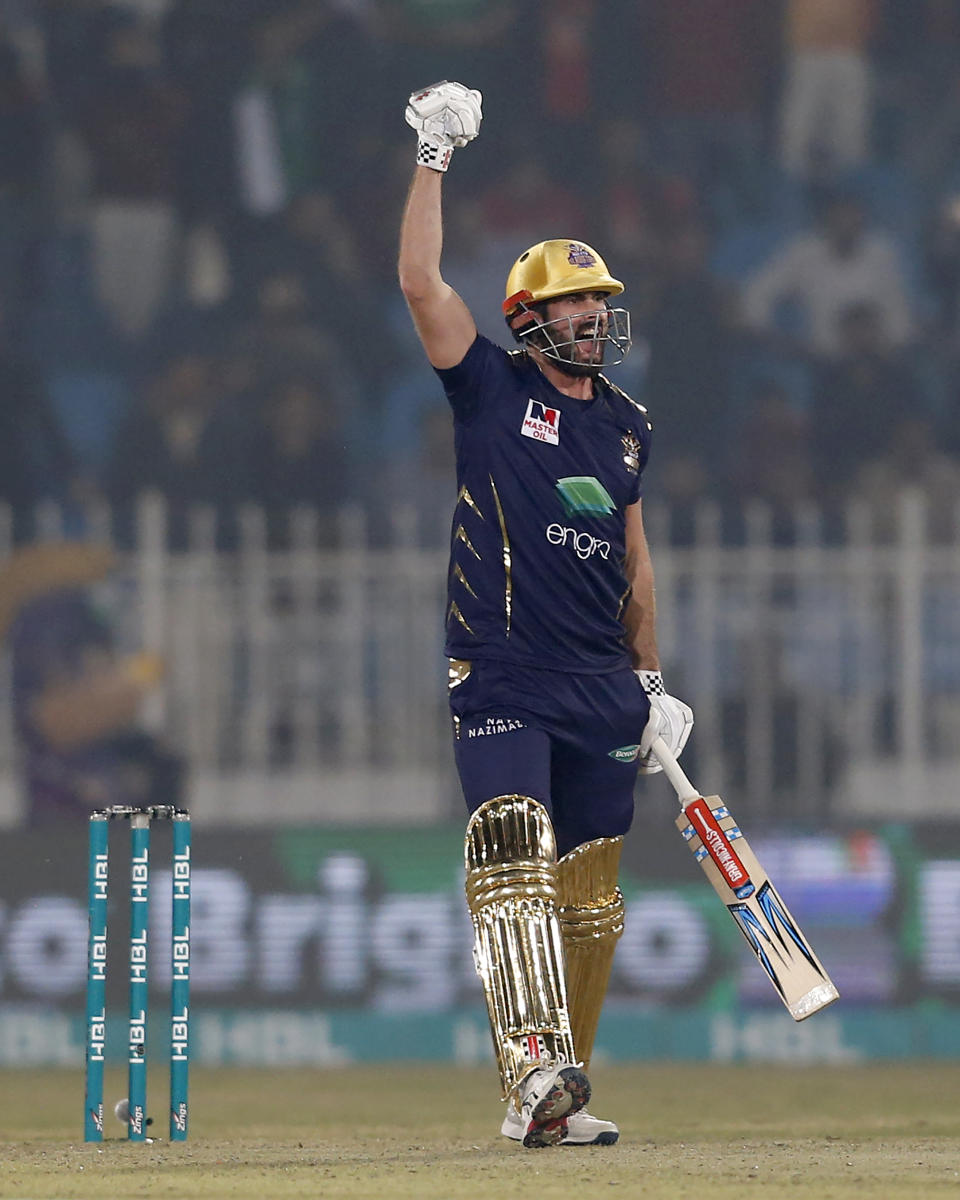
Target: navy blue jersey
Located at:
point(538, 539)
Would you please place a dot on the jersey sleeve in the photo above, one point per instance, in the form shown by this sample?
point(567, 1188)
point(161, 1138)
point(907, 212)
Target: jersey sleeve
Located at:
point(643, 432)
point(472, 378)
point(635, 442)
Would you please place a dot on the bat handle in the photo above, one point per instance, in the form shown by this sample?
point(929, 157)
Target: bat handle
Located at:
point(674, 772)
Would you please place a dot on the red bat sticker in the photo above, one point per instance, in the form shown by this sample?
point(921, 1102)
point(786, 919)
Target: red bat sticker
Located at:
point(717, 845)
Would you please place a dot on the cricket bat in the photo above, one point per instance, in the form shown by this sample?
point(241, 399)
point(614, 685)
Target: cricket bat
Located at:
point(742, 884)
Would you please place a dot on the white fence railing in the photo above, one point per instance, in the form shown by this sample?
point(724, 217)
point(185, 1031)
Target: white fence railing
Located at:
point(308, 681)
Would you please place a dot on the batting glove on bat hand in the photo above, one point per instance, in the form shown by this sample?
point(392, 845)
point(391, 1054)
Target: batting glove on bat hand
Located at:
point(445, 115)
point(670, 719)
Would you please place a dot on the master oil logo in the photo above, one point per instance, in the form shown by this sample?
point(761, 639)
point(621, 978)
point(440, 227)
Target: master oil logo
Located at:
point(541, 423)
point(585, 494)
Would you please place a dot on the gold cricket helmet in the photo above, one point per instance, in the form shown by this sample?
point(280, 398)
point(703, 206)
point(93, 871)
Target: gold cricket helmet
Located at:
point(557, 268)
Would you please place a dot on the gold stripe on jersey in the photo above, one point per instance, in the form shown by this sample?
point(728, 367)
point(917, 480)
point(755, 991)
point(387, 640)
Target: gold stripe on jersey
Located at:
point(623, 600)
point(454, 611)
point(458, 671)
point(460, 577)
point(461, 536)
point(629, 399)
point(507, 559)
point(465, 496)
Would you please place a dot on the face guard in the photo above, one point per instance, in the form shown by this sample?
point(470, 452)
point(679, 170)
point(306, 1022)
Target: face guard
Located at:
point(578, 343)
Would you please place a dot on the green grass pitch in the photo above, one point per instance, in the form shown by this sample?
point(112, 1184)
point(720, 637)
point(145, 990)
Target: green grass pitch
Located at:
point(718, 1132)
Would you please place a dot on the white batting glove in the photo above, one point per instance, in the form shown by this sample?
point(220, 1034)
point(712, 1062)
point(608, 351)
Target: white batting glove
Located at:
point(445, 115)
point(670, 719)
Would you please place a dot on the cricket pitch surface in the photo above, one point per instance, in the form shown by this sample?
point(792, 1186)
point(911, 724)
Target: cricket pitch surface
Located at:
point(813, 1133)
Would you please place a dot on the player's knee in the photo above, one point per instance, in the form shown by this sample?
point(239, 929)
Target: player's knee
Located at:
point(509, 844)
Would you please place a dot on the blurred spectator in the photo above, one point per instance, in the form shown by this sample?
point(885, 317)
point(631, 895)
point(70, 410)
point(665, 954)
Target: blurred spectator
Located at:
point(569, 65)
point(423, 477)
point(710, 72)
point(528, 196)
point(689, 333)
point(23, 158)
point(827, 105)
point(942, 270)
point(682, 483)
point(208, 52)
point(76, 699)
point(301, 98)
point(474, 41)
point(841, 263)
point(284, 333)
point(36, 459)
point(309, 276)
point(859, 398)
point(22, 24)
point(923, 82)
point(773, 460)
point(296, 456)
point(239, 144)
point(131, 119)
point(911, 459)
point(72, 38)
point(325, 243)
point(634, 195)
point(173, 444)
point(950, 442)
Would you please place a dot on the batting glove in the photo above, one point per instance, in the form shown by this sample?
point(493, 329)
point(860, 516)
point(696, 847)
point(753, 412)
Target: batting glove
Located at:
point(445, 115)
point(670, 719)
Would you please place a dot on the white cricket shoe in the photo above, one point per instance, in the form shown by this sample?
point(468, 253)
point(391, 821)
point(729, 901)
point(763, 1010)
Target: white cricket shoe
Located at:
point(549, 1097)
point(583, 1129)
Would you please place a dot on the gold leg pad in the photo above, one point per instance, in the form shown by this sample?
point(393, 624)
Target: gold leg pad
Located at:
point(591, 920)
point(511, 861)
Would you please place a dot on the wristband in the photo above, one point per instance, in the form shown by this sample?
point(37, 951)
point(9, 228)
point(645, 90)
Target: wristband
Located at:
point(651, 682)
point(437, 158)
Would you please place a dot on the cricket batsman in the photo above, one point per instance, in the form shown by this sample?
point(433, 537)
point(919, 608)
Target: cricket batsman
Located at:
point(555, 687)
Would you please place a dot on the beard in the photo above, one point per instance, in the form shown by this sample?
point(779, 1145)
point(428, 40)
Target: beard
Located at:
point(565, 356)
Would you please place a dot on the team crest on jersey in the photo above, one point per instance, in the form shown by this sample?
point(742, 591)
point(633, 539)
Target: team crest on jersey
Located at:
point(580, 256)
point(631, 451)
point(541, 423)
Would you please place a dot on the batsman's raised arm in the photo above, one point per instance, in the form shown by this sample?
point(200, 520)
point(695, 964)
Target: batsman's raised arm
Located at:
point(445, 116)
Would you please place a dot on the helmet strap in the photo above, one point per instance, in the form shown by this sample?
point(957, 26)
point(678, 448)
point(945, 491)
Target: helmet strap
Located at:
point(521, 322)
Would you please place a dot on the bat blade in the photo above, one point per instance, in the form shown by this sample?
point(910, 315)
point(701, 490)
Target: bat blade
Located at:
point(751, 899)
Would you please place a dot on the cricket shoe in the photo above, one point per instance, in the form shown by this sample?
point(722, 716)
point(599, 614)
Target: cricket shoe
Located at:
point(583, 1129)
point(549, 1098)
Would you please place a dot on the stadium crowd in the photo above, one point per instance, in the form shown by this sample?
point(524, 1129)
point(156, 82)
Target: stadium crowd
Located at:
point(199, 202)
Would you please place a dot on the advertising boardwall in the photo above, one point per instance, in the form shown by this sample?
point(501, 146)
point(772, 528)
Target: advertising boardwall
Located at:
point(337, 945)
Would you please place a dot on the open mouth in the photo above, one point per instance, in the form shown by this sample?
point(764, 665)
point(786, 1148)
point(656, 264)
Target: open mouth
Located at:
point(588, 344)
point(585, 340)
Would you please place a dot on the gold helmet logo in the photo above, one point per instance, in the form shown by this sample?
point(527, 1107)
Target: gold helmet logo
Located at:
point(557, 268)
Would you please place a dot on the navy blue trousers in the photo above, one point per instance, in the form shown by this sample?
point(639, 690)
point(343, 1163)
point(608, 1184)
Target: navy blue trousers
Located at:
point(569, 741)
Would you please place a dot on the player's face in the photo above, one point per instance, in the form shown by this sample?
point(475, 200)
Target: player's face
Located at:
point(587, 318)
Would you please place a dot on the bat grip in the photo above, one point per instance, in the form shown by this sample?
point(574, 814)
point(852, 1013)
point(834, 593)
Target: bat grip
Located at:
point(674, 772)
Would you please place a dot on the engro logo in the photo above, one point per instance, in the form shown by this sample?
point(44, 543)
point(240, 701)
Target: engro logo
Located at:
point(584, 545)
